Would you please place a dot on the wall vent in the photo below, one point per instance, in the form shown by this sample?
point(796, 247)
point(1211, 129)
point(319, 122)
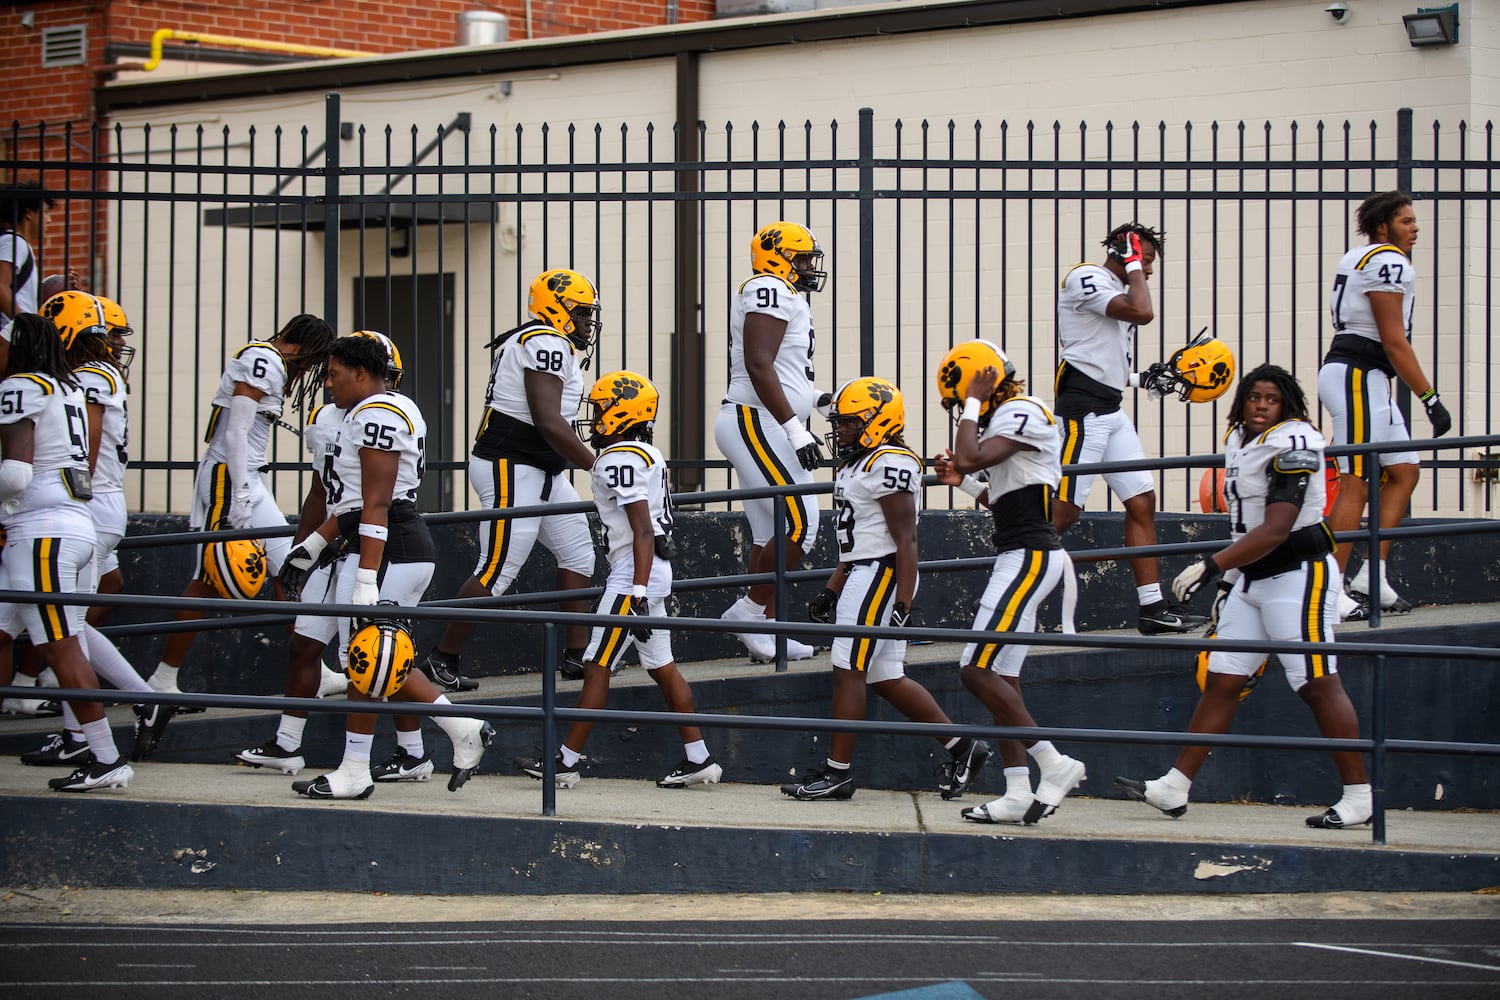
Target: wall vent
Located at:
point(65, 46)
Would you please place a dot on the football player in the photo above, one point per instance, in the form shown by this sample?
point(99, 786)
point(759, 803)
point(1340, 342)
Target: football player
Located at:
point(1099, 309)
point(1013, 438)
point(306, 675)
point(45, 486)
point(1277, 579)
point(1371, 304)
point(875, 497)
point(525, 443)
point(229, 490)
point(371, 479)
point(762, 426)
point(630, 491)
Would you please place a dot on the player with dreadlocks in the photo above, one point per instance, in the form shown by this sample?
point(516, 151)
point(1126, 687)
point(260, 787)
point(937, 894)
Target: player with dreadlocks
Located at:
point(1277, 579)
point(44, 493)
point(230, 490)
point(1099, 309)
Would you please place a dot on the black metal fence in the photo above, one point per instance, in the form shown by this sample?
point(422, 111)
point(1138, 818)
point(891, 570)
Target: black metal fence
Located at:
point(936, 231)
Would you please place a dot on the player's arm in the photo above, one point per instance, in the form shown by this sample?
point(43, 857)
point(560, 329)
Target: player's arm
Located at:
point(1386, 308)
point(7, 297)
point(763, 336)
point(314, 510)
point(969, 453)
point(642, 541)
point(947, 475)
point(544, 399)
point(900, 510)
point(377, 471)
point(1135, 305)
point(17, 444)
point(96, 432)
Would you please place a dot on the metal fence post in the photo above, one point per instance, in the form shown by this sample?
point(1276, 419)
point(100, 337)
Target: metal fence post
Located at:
point(550, 656)
point(866, 241)
point(1377, 756)
point(332, 104)
point(1404, 164)
point(1372, 555)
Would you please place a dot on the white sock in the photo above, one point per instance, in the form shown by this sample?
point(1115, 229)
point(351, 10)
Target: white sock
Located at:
point(411, 742)
point(834, 765)
point(1357, 804)
point(289, 733)
point(109, 664)
point(1175, 779)
point(1148, 595)
point(759, 610)
point(70, 720)
point(165, 678)
point(697, 751)
point(1044, 753)
point(101, 741)
point(570, 757)
point(22, 681)
point(357, 751)
point(47, 679)
point(1018, 783)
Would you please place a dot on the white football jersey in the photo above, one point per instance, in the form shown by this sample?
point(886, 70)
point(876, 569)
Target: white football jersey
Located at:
point(1374, 267)
point(859, 521)
point(1087, 338)
point(1025, 419)
point(104, 385)
point(766, 293)
point(386, 421)
point(260, 366)
point(48, 506)
point(540, 348)
point(628, 473)
point(319, 438)
point(1247, 474)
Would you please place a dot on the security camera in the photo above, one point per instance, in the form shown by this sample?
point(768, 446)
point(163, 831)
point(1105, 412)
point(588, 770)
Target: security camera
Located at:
point(1338, 11)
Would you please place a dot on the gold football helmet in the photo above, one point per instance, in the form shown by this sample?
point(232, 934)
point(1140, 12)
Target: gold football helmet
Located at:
point(394, 371)
point(119, 328)
point(1201, 371)
point(790, 252)
point(874, 406)
point(76, 314)
point(381, 655)
point(619, 401)
point(958, 368)
point(236, 568)
point(568, 302)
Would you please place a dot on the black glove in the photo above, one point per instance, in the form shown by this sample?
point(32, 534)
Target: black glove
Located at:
point(811, 455)
point(1442, 423)
point(902, 616)
point(639, 609)
point(1218, 606)
point(820, 608)
point(1204, 573)
point(1126, 248)
point(303, 559)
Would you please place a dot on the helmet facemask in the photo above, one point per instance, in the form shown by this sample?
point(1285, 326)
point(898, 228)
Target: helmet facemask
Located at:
point(807, 269)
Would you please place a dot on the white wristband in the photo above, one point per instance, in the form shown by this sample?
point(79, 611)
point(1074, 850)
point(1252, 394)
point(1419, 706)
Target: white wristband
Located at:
point(367, 576)
point(1132, 265)
point(314, 544)
point(972, 487)
point(379, 531)
point(792, 425)
point(971, 410)
point(638, 591)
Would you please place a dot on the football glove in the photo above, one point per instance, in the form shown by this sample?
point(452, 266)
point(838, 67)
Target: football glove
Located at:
point(307, 555)
point(1442, 423)
point(809, 454)
point(242, 506)
point(820, 608)
point(1126, 248)
point(366, 587)
point(1203, 573)
point(902, 616)
point(1218, 606)
point(639, 608)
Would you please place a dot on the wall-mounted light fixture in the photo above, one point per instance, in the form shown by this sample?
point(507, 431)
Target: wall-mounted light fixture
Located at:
point(1432, 26)
point(28, 19)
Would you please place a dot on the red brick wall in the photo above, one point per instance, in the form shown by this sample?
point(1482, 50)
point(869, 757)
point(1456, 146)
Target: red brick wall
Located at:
point(59, 97)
